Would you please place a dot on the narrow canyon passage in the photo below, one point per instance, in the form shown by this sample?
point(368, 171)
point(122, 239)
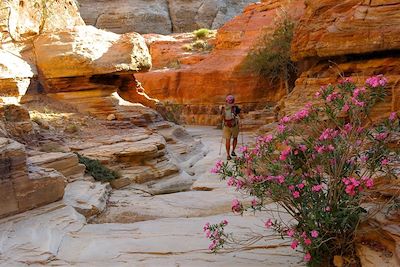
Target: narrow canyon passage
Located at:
point(158, 230)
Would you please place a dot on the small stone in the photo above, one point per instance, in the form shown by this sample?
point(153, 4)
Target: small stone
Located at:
point(111, 117)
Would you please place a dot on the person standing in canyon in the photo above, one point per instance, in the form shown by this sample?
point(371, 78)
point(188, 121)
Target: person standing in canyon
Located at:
point(230, 118)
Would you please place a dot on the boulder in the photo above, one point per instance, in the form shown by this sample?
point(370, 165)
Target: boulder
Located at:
point(87, 51)
point(88, 198)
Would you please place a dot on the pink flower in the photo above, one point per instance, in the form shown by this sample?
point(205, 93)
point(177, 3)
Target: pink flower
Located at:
point(239, 184)
point(206, 227)
point(384, 162)
point(303, 148)
point(290, 232)
point(218, 166)
point(316, 188)
point(281, 179)
point(213, 245)
point(294, 244)
point(392, 116)
point(285, 119)
point(307, 241)
point(345, 107)
point(314, 233)
point(291, 187)
point(285, 153)
point(254, 202)
point(208, 233)
point(369, 183)
point(268, 224)
point(224, 222)
point(376, 81)
point(281, 128)
point(236, 206)
point(307, 257)
point(300, 186)
point(381, 136)
point(231, 181)
point(296, 194)
point(328, 209)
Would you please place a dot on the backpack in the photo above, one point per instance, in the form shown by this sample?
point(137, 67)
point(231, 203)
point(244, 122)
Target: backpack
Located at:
point(230, 119)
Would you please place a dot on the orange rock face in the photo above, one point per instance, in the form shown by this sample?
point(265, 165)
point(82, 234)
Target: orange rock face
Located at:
point(201, 87)
point(332, 28)
point(347, 38)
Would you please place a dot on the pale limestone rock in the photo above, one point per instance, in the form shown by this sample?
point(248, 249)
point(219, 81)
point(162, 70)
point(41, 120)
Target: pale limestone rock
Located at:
point(172, 242)
point(168, 185)
point(111, 117)
point(90, 51)
point(15, 74)
point(86, 197)
point(66, 163)
point(34, 237)
point(24, 18)
point(122, 16)
point(159, 16)
point(131, 206)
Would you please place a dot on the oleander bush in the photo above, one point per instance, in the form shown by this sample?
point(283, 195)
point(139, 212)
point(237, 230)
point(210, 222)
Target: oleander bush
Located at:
point(318, 166)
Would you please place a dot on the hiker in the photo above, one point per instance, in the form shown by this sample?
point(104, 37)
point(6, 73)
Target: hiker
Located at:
point(230, 118)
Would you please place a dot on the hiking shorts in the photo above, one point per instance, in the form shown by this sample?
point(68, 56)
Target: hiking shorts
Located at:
point(231, 132)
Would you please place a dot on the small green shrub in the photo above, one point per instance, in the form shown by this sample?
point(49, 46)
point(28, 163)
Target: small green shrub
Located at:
point(187, 47)
point(201, 45)
point(71, 128)
point(175, 64)
point(97, 170)
point(201, 33)
point(271, 58)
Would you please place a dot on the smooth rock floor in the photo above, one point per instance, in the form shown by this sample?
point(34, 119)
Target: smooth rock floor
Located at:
point(161, 230)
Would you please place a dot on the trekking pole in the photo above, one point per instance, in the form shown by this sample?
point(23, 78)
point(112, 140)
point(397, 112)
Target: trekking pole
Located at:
point(220, 146)
point(241, 130)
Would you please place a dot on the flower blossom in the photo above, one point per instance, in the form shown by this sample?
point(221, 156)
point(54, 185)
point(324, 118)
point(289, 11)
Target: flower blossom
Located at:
point(307, 257)
point(218, 166)
point(268, 224)
point(236, 206)
point(376, 81)
point(314, 233)
point(294, 244)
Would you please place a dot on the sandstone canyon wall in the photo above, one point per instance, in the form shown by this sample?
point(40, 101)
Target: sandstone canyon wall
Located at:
point(159, 16)
point(46, 50)
point(351, 38)
point(200, 88)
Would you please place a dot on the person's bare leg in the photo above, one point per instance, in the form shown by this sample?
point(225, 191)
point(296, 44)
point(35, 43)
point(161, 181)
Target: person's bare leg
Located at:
point(228, 147)
point(234, 144)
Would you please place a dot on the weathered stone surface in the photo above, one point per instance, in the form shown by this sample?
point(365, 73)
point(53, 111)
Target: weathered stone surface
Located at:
point(23, 19)
point(65, 163)
point(34, 237)
point(347, 27)
point(86, 197)
point(379, 238)
point(16, 122)
point(220, 73)
point(25, 188)
point(159, 16)
point(90, 51)
point(168, 51)
point(123, 16)
point(324, 73)
point(15, 74)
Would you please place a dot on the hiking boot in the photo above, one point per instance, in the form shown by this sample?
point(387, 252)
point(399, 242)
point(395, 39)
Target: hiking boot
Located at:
point(233, 154)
